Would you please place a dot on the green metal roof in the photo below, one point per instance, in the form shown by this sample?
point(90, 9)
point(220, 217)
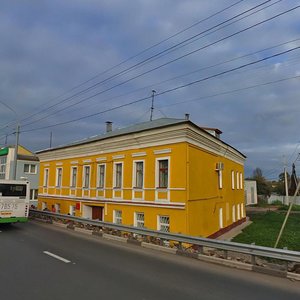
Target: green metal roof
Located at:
point(3, 151)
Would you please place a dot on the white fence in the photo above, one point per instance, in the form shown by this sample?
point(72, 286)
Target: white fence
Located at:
point(274, 198)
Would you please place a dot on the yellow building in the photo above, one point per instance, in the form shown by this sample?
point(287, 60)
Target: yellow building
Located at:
point(166, 174)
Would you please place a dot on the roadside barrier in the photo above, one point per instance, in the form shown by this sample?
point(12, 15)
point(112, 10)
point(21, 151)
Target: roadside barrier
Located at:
point(273, 261)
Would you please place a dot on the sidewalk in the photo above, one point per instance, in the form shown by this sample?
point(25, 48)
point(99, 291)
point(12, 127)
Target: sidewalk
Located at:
point(228, 236)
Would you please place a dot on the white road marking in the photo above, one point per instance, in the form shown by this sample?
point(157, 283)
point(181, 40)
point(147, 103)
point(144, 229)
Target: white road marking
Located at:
point(57, 257)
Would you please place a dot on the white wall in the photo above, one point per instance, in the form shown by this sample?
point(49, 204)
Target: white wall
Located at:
point(250, 192)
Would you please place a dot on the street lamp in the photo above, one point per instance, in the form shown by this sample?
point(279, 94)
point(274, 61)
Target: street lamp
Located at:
point(17, 140)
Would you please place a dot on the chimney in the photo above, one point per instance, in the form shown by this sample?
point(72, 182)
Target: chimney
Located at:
point(187, 116)
point(108, 126)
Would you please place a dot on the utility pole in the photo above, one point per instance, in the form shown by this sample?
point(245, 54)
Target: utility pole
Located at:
point(286, 199)
point(16, 151)
point(152, 105)
point(287, 215)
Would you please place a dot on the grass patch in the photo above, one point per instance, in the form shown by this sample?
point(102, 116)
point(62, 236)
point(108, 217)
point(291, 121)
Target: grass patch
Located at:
point(295, 207)
point(265, 229)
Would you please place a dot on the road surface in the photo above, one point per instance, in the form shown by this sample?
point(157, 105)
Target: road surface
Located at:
point(40, 261)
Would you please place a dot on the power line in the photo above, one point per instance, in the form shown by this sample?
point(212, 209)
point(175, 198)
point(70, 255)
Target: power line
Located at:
point(138, 54)
point(169, 90)
point(171, 61)
point(232, 91)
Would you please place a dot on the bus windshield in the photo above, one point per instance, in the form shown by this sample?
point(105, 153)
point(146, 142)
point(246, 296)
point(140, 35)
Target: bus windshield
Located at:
point(11, 190)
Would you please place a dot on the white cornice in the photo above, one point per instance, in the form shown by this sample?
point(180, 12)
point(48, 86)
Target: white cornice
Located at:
point(181, 133)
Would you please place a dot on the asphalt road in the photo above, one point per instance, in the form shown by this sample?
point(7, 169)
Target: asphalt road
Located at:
point(92, 268)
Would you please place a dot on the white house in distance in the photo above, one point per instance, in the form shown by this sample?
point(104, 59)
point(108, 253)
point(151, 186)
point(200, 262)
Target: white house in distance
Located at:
point(250, 192)
point(27, 168)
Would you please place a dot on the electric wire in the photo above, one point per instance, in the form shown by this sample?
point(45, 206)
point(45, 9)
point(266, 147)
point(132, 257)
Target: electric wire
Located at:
point(178, 58)
point(140, 53)
point(168, 90)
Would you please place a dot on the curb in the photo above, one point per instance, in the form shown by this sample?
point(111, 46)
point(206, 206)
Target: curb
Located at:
point(60, 224)
point(228, 263)
point(159, 248)
point(293, 276)
point(114, 238)
point(82, 230)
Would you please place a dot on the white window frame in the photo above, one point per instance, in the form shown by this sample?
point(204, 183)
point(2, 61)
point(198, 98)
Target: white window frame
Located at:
point(98, 176)
point(117, 216)
point(241, 180)
point(46, 177)
point(220, 179)
point(30, 167)
point(162, 189)
point(232, 180)
point(72, 185)
point(139, 219)
point(163, 226)
point(72, 210)
point(84, 177)
point(58, 179)
point(242, 210)
point(44, 205)
point(134, 177)
point(233, 213)
point(237, 181)
point(57, 207)
point(157, 173)
point(221, 223)
point(3, 163)
point(238, 212)
point(115, 175)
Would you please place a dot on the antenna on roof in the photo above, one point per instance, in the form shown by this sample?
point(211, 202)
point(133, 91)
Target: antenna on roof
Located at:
point(152, 104)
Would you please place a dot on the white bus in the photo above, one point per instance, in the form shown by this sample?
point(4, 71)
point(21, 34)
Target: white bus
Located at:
point(14, 201)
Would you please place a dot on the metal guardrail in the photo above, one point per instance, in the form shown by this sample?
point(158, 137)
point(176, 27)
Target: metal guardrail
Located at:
point(252, 250)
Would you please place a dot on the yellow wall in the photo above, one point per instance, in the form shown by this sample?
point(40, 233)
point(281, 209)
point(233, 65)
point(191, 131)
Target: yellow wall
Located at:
point(206, 197)
point(193, 187)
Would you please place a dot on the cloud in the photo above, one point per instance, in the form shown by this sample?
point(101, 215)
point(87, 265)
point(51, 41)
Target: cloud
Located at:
point(49, 47)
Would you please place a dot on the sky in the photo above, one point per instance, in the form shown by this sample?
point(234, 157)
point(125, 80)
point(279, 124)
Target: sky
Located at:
point(67, 67)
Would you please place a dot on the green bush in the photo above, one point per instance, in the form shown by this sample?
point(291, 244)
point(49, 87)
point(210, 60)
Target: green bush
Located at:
point(277, 202)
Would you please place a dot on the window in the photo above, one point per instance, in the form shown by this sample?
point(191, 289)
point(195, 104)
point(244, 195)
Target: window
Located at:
point(30, 169)
point(220, 217)
point(118, 216)
point(233, 213)
point(164, 223)
point(86, 177)
point(73, 176)
point(33, 194)
point(46, 177)
point(58, 177)
point(220, 177)
point(118, 175)
point(101, 176)
point(72, 210)
point(139, 174)
point(44, 205)
point(238, 212)
point(57, 208)
point(163, 173)
point(241, 180)
point(237, 181)
point(139, 219)
point(2, 167)
point(232, 180)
